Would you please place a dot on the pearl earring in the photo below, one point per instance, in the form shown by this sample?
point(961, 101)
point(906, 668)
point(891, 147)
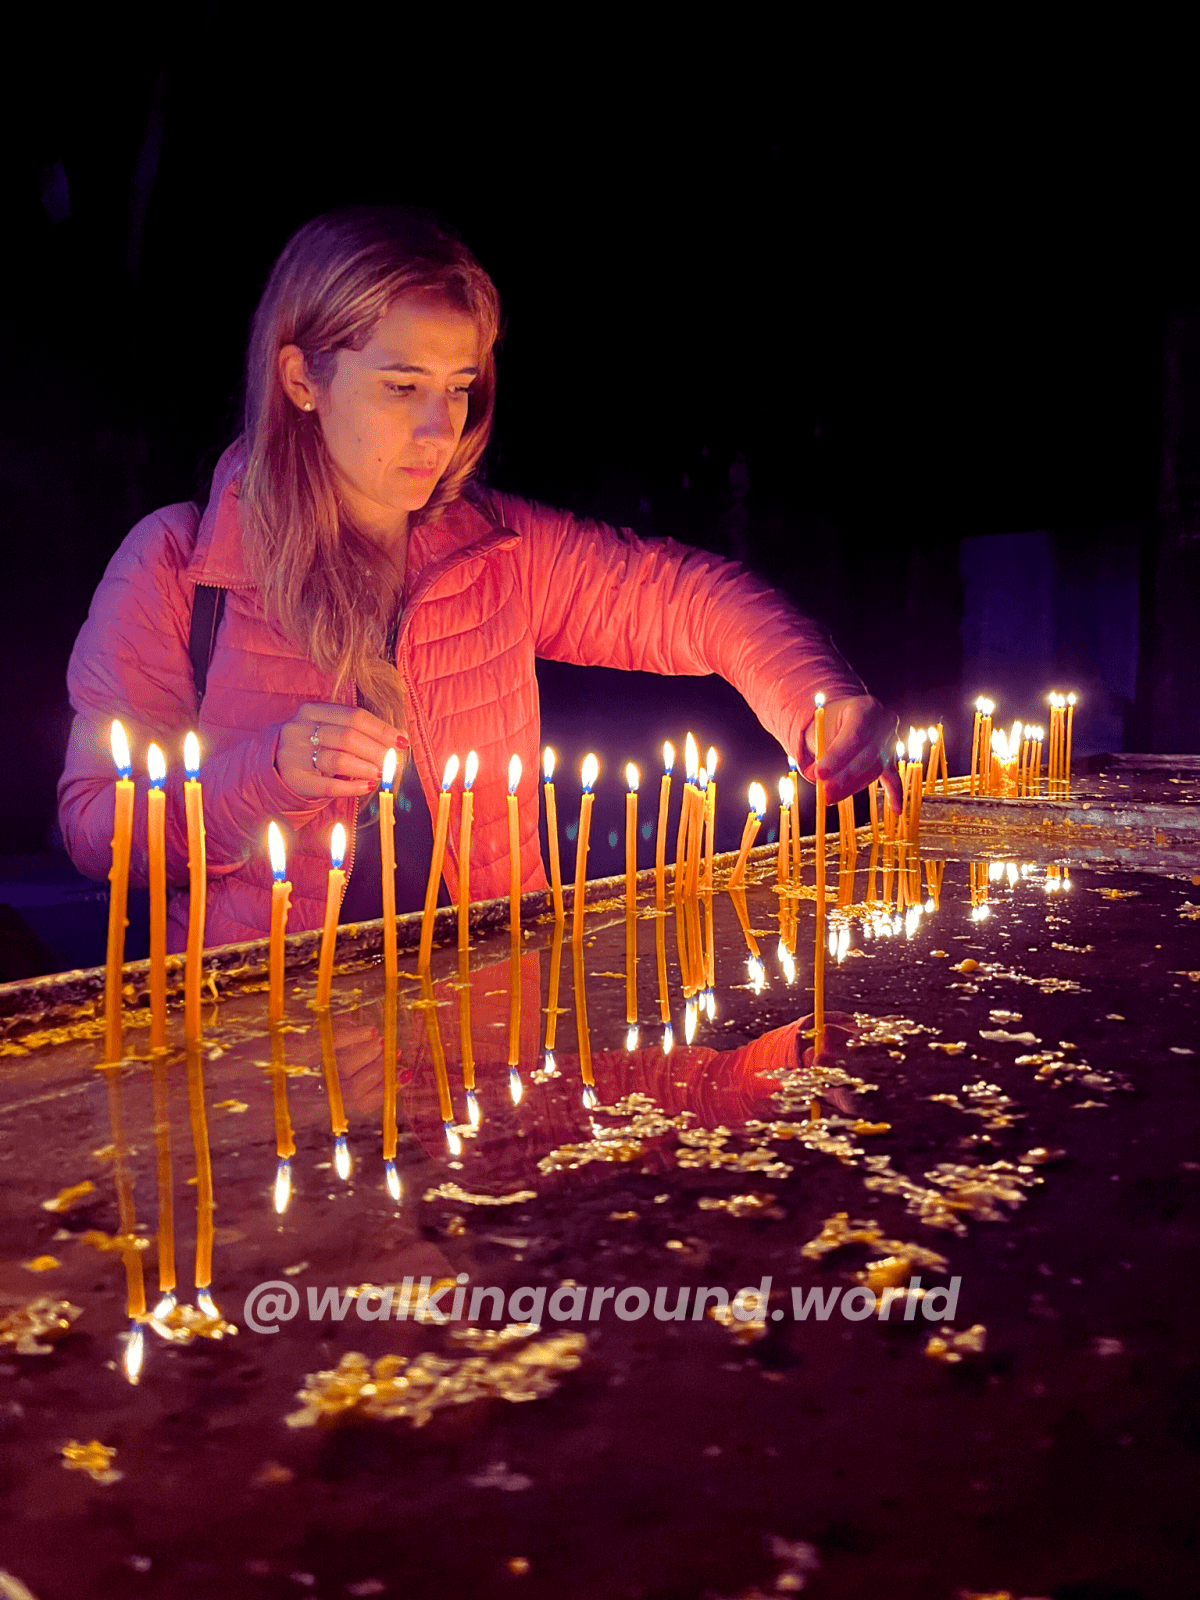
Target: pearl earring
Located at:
point(308, 405)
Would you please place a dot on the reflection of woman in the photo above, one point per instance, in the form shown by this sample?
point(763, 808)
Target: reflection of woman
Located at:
point(375, 596)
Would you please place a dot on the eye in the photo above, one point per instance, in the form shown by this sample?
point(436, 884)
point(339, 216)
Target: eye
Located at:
point(399, 388)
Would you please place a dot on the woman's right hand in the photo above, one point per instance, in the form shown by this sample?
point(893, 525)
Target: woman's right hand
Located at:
point(347, 757)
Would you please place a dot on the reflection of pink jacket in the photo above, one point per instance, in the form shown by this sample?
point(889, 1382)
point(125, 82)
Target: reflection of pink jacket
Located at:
point(492, 584)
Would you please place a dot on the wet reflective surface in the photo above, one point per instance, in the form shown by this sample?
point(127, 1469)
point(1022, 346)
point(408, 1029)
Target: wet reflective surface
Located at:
point(1005, 1096)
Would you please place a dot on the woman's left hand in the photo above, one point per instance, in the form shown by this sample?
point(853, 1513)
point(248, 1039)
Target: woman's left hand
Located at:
point(860, 746)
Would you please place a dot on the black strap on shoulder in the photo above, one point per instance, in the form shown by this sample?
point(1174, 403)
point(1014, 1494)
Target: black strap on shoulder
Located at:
point(208, 608)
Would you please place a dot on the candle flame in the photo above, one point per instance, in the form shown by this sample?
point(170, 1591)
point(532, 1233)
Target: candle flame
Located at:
point(691, 758)
point(135, 1353)
point(933, 735)
point(283, 1187)
point(1014, 739)
point(388, 776)
point(711, 761)
point(702, 779)
point(341, 1157)
point(668, 756)
point(590, 771)
point(119, 745)
point(631, 777)
point(899, 749)
point(916, 741)
point(393, 1180)
point(793, 764)
point(277, 852)
point(470, 770)
point(156, 766)
point(1000, 745)
point(758, 800)
point(548, 760)
point(787, 790)
point(515, 1087)
point(818, 699)
point(450, 773)
point(474, 1115)
point(1071, 699)
point(453, 1142)
point(191, 756)
point(514, 774)
point(337, 845)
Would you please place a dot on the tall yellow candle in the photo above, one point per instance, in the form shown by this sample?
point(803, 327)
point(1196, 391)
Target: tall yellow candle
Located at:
point(1070, 732)
point(660, 846)
point(285, 1141)
point(793, 773)
point(783, 860)
point(631, 811)
point(591, 771)
point(691, 769)
point(135, 1283)
point(333, 904)
point(819, 951)
point(631, 1006)
point(193, 804)
point(514, 849)
point(156, 810)
point(118, 894)
point(387, 854)
point(978, 723)
point(441, 827)
point(931, 775)
point(338, 1125)
point(695, 841)
point(710, 815)
point(941, 736)
point(754, 818)
point(470, 769)
point(281, 893)
point(552, 1006)
point(873, 801)
point(548, 759)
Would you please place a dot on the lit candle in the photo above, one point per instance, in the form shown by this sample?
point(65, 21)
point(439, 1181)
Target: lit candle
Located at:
point(193, 803)
point(514, 851)
point(710, 815)
point(1070, 731)
point(285, 1142)
point(899, 826)
point(819, 956)
point(166, 1185)
point(338, 1126)
point(281, 892)
point(941, 735)
point(794, 774)
point(118, 894)
point(916, 744)
point(156, 804)
point(387, 852)
point(660, 848)
point(873, 800)
point(582, 1031)
point(695, 839)
point(552, 833)
point(591, 771)
point(985, 746)
point(1038, 737)
point(435, 865)
point(691, 766)
point(934, 752)
point(754, 817)
point(848, 836)
point(783, 858)
point(631, 810)
point(470, 769)
point(333, 904)
point(975, 743)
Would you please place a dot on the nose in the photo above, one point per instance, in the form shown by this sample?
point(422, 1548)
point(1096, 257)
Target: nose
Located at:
point(436, 424)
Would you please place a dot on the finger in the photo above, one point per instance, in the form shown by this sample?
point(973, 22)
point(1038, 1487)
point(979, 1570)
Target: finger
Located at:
point(339, 764)
point(891, 786)
point(353, 742)
point(365, 722)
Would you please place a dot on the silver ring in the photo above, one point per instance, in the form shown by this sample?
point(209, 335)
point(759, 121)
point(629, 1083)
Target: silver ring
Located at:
point(314, 739)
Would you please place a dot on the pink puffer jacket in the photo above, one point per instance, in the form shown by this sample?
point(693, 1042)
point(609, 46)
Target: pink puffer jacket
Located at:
point(493, 584)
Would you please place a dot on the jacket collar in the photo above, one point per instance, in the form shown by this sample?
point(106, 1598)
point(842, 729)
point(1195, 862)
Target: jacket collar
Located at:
point(219, 558)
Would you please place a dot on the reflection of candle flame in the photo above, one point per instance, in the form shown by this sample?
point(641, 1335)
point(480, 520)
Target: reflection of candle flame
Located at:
point(787, 962)
point(668, 1040)
point(515, 1087)
point(135, 1353)
point(689, 1020)
point(590, 1098)
point(206, 1303)
point(474, 1116)
point(551, 1067)
point(631, 1038)
point(341, 1157)
point(453, 1142)
point(758, 974)
point(283, 1186)
point(393, 1180)
point(191, 756)
point(166, 1304)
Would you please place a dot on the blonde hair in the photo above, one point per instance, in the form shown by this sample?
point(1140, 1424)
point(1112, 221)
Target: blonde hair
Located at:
point(320, 576)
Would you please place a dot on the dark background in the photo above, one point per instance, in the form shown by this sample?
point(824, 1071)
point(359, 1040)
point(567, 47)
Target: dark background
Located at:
point(923, 355)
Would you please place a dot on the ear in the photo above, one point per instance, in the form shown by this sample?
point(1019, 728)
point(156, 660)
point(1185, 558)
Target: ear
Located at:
point(292, 376)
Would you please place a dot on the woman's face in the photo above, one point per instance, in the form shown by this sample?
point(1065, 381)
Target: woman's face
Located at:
point(393, 412)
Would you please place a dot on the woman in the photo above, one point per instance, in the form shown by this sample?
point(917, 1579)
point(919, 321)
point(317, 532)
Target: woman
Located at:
point(375, 596)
